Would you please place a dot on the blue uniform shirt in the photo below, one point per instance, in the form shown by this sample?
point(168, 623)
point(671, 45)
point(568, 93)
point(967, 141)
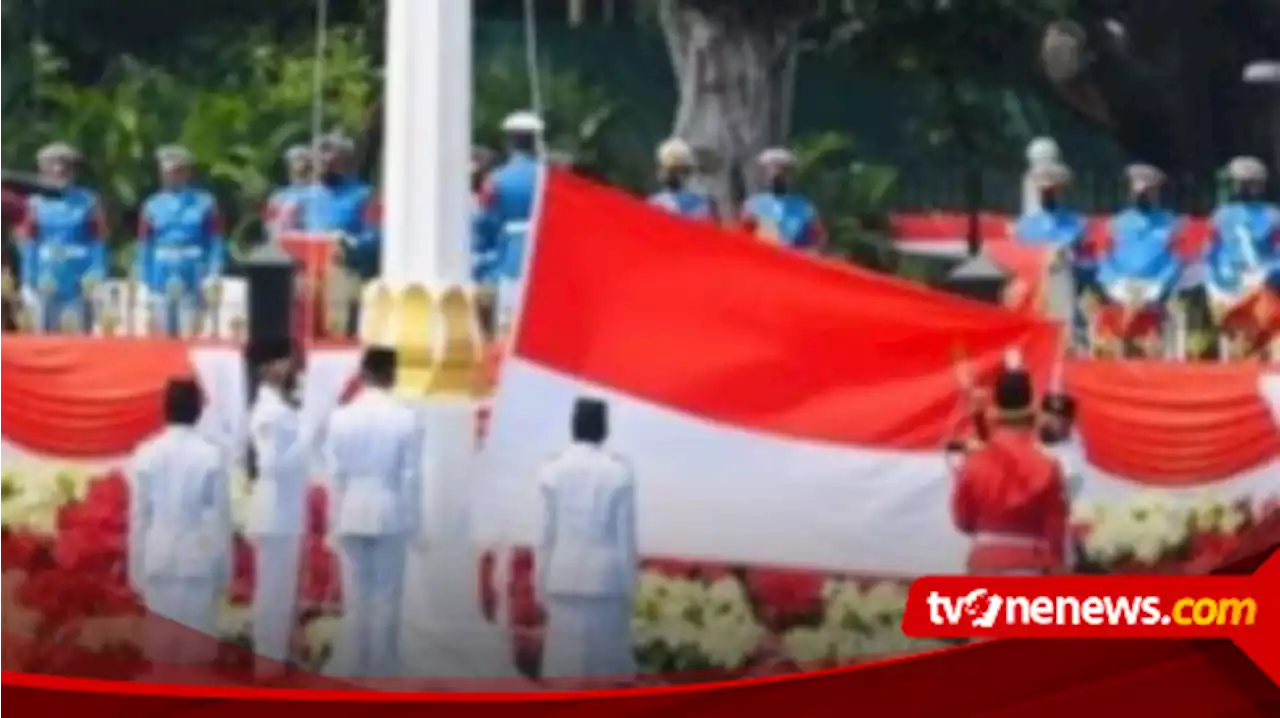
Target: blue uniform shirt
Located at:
point(1143, 247)
point(1245, 236)
point(345, 206)
point(65, 242)
point(788, 219)
point(509, 197)
point(180, 238)
point(683, 202)
point(1063, 228)
point(285, 205)
point(485, 244)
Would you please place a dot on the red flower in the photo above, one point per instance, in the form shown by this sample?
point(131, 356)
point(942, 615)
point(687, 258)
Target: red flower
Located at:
point(785, 598)
point(24, 551)
point(317, 510)
point(1209, 549)
point(1268, 507)
point(320, 584)
point(522, 566)
point(486, 593)
point(522, 605)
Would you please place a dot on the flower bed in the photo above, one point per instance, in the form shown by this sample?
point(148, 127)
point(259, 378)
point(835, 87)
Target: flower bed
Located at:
point(65, 586)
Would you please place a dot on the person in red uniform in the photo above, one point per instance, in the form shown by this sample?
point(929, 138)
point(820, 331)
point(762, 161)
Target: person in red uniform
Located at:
point(1010, 496)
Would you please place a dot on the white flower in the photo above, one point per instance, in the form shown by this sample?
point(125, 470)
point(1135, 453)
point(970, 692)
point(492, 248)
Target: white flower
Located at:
point(34, 507)
point(679, 634)
point(1148, 548)
point(234, 621)
point(730, 641)
point(1088, 513)
point(889, 598)
point(849, 644)
point(1108, 540)
point(726, 596)
point(1157, 522)
point(808, 645)
point(321, 633)
point(1233, 519)
point(1212, 513)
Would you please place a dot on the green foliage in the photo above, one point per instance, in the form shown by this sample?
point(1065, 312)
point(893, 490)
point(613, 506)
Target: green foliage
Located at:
point(853, 196)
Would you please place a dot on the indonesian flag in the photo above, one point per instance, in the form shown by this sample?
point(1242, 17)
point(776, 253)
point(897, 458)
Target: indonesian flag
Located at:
point(776, 409)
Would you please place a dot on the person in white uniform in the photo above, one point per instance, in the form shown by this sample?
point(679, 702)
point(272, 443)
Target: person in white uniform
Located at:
point(180, 533)
point(588, 556)
point(283, 449)
point(373, 459)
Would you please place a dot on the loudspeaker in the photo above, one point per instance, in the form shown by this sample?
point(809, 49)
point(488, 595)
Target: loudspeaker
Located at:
point(271, 276)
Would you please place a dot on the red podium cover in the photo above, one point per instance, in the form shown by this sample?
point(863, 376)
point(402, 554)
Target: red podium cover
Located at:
point(315, 252)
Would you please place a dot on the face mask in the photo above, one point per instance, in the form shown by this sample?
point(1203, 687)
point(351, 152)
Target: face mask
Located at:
point(673, 182)
point(1049, 200)
point(1248, 193)
point(779, 185)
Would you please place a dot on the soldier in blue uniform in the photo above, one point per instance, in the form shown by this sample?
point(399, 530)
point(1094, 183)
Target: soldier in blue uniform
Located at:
point(1242, 254)
point(484, 237)
point(284, 208)
point(344, 205)
point(1140, 269)
point(676, 164)
point(61, 245)
point(780, 214)
point(181, 249)
point(508, 198)
point(1058, 225)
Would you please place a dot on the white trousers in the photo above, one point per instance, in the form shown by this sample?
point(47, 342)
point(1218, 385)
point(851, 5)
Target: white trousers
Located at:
point(275, 594)
point(372, 586)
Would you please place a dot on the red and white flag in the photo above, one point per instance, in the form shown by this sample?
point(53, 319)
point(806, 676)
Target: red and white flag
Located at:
point(776, 409)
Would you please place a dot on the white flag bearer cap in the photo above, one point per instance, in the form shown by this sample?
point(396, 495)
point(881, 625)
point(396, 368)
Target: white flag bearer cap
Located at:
point(1247, 169)
point(777, 157)
point(174, 156)
point(523, 122)
point(57, 152)
point(675, 153)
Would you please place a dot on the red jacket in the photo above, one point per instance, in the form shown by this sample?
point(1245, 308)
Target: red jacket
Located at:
point(1010, 497)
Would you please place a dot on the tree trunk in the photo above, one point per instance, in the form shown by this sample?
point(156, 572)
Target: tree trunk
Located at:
point(735, 71)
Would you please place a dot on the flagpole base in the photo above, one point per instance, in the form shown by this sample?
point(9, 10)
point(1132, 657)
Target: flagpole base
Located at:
point(445, 634)
point(435, 331)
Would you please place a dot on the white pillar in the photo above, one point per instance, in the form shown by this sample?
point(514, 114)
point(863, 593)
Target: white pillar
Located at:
point(423, 305)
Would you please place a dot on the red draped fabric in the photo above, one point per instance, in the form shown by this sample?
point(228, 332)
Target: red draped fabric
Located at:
point(85, 398)
point(1174, 424)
